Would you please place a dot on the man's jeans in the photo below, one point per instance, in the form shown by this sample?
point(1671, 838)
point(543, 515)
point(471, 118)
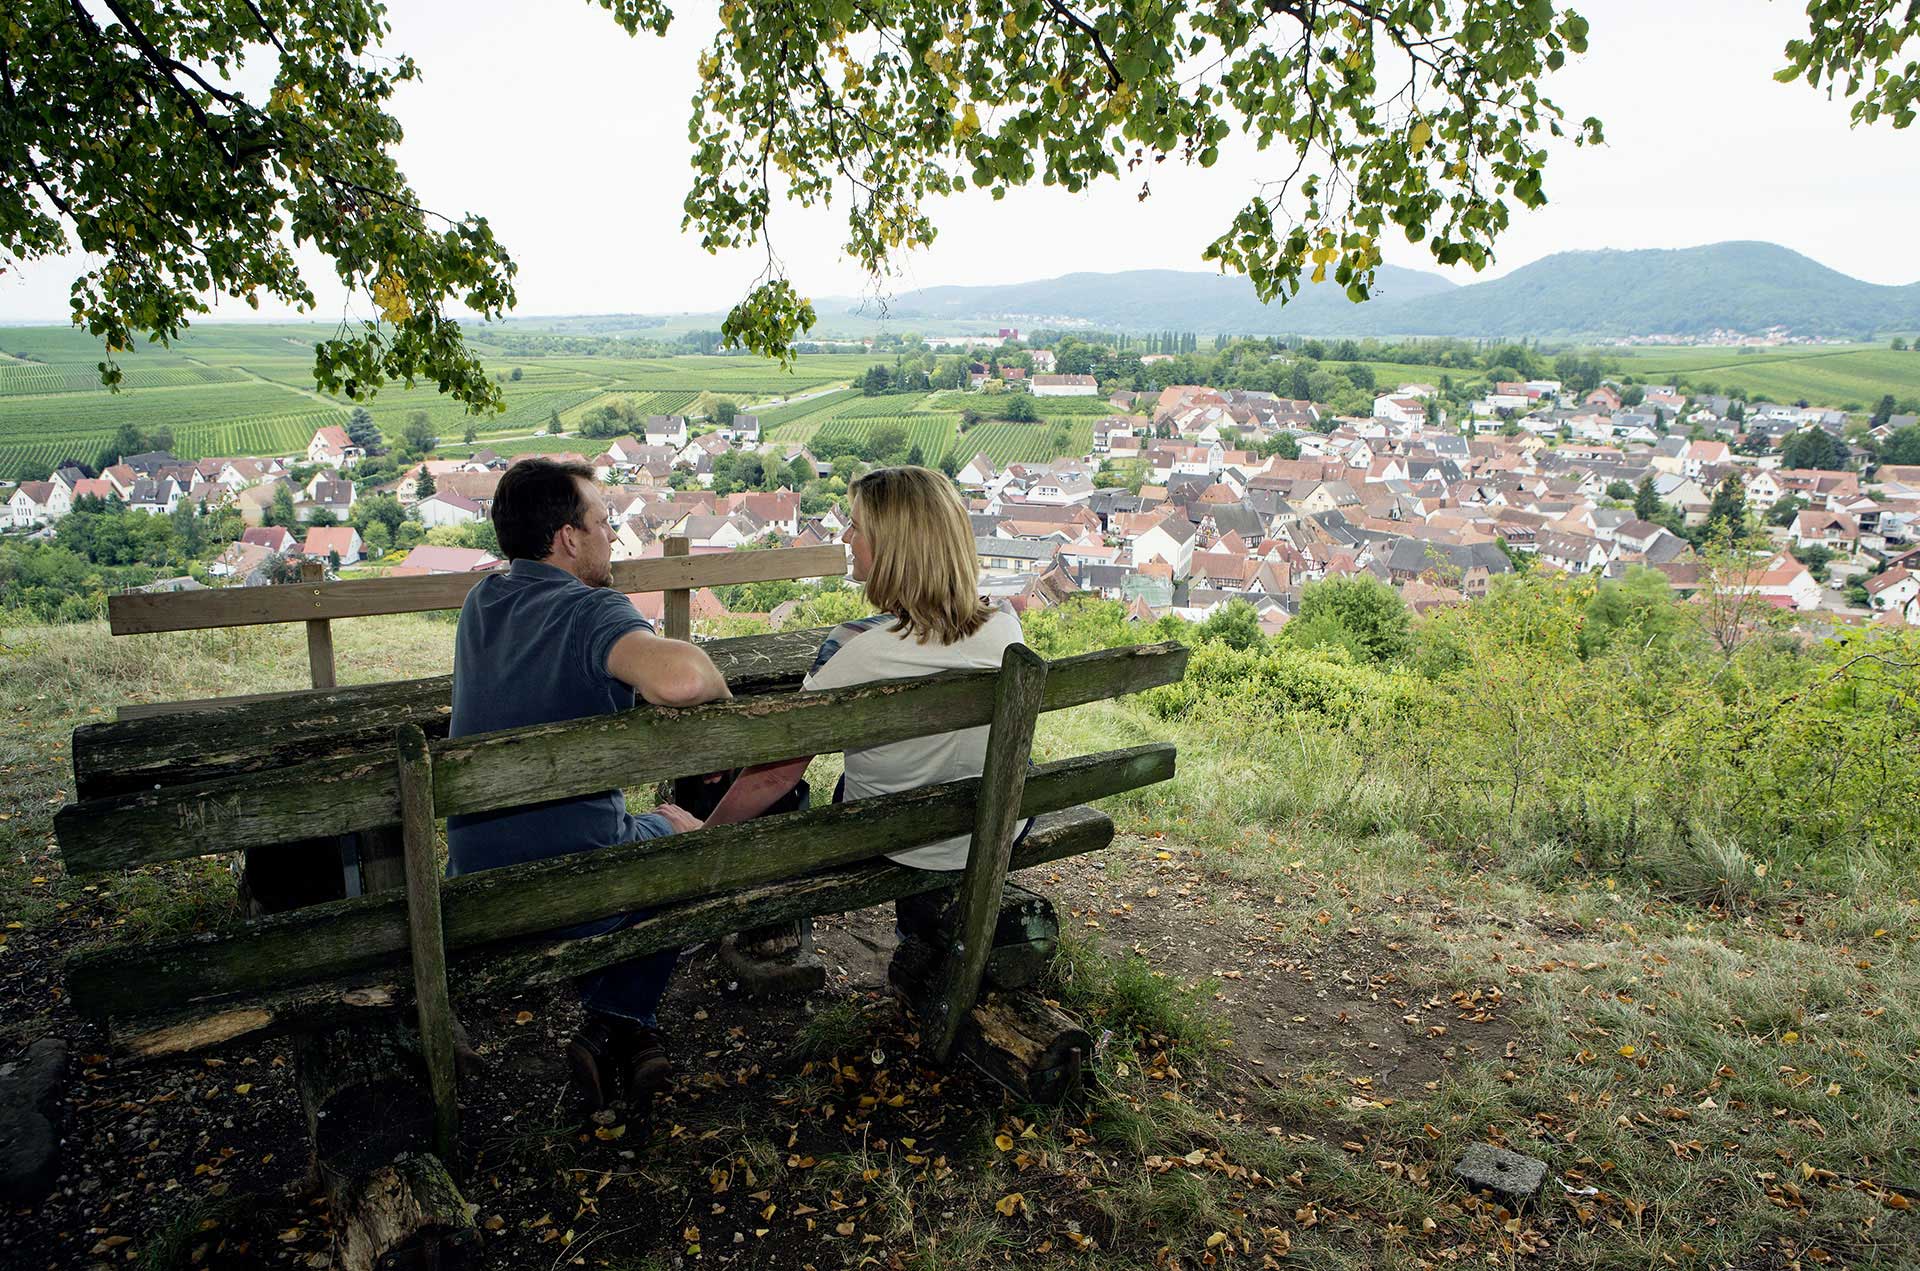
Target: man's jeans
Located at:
point(632, 990)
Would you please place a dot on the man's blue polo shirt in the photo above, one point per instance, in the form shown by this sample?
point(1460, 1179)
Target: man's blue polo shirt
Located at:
point(531, 649)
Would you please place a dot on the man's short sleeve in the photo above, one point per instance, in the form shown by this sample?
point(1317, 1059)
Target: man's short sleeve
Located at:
point(610, 615)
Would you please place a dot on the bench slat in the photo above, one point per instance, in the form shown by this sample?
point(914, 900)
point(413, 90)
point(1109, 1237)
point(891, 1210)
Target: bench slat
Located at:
point(489, 771)
point(350, 936)
point(537, 961)
point(364, 597)
point(506, 769)
point(225, 736)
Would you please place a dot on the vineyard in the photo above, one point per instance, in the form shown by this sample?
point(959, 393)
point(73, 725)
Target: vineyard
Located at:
point(786, 420)
point(933, 434)
point(280, 434)
point(1006, 443)
point(22, 379)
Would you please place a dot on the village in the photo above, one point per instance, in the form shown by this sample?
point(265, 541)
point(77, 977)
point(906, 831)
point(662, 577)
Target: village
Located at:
point(1189, 500)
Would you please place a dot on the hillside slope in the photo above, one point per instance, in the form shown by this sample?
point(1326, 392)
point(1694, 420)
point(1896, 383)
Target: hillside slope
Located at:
point(1740, 286)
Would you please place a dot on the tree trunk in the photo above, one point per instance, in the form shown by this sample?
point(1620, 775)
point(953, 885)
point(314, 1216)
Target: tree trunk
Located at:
point(1028, 1045)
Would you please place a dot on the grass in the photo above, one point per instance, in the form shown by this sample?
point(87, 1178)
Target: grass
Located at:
point(1728, 1061)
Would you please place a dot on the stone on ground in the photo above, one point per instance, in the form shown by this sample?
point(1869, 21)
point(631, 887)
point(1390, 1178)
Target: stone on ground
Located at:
point(1512, 1176)
point(29, 1120)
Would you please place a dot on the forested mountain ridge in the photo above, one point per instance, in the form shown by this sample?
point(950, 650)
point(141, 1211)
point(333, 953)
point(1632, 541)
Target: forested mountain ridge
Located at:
point(1735, 286)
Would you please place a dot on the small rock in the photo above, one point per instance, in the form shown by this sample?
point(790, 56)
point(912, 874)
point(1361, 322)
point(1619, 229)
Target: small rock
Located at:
point(29, 1110)
point(1512, 1176)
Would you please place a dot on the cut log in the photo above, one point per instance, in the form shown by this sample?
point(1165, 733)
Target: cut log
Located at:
point(1028, 1045)
point(406, 1214)
point(1031, 1047)
point(369, 1115)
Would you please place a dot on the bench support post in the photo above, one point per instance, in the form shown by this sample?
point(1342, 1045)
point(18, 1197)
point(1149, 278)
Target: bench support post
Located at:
point(426, 935)
point(678, 609)
point(319, 630)
point(1016, 706)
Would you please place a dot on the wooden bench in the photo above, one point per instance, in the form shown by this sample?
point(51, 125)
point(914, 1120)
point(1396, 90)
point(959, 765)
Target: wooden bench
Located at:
point(257, 774)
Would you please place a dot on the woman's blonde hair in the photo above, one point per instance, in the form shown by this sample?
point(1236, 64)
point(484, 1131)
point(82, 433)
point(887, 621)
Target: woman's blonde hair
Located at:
point(925, 570)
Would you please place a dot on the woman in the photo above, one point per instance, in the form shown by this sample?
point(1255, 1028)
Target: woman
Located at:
point(913, 548)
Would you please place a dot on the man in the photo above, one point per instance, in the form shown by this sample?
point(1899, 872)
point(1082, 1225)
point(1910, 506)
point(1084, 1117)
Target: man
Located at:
point(549, 640)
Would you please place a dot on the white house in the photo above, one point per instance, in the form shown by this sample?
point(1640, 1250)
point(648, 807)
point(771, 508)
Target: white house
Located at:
point(332, 446)
point(1892, 590)
point(1410, 411)
point(978, 472)
point(448, 508)
point(1061, 490)
point(667, 430)
point(1065, 386)
point(1171, 540)
point(31, 504)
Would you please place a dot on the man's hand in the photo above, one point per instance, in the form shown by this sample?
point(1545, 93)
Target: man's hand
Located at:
point(678, 819)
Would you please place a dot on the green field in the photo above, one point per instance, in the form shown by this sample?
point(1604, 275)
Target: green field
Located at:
point(248, 389)
point(1852, 377)
point(1006, 443)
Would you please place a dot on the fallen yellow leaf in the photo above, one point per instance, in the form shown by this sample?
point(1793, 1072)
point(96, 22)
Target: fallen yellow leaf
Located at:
point(1010, 1202)
point(1004, 1142)
point(524, 1017)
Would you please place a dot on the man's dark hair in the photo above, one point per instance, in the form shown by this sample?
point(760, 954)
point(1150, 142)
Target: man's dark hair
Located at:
point(534, 499)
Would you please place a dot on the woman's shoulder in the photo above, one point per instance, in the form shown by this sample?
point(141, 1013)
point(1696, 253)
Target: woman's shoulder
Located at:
point(843, 635)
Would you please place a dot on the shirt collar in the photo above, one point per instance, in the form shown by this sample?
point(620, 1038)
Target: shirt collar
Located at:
point(538, 570)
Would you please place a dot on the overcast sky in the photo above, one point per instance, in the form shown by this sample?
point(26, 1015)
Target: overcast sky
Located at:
point(571, 137)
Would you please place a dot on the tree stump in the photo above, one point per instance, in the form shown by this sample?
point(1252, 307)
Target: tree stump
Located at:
point(364, 1088)
point(369, 1114)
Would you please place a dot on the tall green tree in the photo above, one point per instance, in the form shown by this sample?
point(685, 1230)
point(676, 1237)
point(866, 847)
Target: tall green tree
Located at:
point(1728, 511)
point(1903, 447)
point(1646, 500)
point(363, 432)
point(1813, 448)
point(1362, 606)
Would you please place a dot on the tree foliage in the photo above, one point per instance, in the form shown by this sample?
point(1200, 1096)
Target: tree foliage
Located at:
point(1364, 607)
point(133, 140)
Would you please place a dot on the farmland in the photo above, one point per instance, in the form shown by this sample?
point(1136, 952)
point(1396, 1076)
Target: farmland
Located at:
point(1854, 377)
point(249, 390)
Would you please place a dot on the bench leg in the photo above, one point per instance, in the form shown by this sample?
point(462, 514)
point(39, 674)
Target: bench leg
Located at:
point(1016, 705)
point(427, 937)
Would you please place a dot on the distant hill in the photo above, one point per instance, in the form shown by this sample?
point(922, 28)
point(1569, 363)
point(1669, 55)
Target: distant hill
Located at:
point(1740, 286)
point(1153, 300)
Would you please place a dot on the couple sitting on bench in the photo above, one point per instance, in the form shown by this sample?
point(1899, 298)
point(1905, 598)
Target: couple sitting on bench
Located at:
point(548, 639)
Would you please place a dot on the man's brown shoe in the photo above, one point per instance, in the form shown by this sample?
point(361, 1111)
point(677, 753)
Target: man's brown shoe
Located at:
point(592, 1057)
point(648, 1068)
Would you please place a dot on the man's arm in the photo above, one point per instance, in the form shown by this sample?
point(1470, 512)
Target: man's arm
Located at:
point(666, 672)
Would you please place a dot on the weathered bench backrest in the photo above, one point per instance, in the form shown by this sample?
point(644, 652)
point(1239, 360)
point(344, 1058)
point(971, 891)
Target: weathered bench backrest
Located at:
point(318, 603)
